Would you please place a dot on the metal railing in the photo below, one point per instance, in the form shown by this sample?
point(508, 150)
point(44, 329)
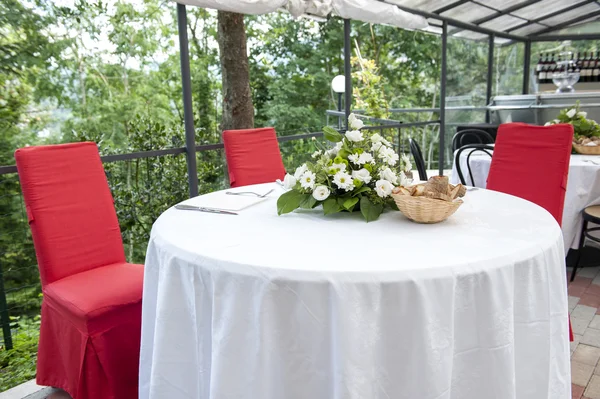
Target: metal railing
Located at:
point(17, 256)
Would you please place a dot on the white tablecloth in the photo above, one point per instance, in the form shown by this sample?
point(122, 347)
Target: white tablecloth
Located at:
point(303, 306)
point(583, 188)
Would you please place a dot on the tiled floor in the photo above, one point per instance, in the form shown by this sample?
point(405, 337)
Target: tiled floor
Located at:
point(584, 304)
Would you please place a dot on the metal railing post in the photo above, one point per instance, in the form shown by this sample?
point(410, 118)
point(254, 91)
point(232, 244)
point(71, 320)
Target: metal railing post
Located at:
point(527, 67)
point(188, 111)
point(490, 76)
point(443, 96)
point(4, 319)
point(347, 68)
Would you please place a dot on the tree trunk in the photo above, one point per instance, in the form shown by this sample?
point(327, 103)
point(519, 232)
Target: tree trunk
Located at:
point(238, 112)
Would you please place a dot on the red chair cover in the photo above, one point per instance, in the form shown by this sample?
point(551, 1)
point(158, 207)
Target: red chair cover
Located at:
point(532, 162)
point(253, 156)
point(91, 312)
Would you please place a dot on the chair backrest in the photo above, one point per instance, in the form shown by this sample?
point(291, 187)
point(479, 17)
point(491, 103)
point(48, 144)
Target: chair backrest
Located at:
point(70, 209)
point(418, 157)
point(471, 149)
point(471, 136)
point(253, 156)
point(532, 162)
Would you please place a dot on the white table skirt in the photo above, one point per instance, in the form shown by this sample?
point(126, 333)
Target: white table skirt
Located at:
point(583, 188)
point(303, 306)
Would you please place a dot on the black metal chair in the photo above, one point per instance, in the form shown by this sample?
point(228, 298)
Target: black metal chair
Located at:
point(473, 148)
point(418, 157)
point(471, 136)
point(591, 214)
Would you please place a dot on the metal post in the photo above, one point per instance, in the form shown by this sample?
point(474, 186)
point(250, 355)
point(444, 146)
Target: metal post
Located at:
point(4, 319)
point(339, 110)
point(348, 68)
point(490, 76)
point(443, 96)
point(188, 112)
point(527, 67)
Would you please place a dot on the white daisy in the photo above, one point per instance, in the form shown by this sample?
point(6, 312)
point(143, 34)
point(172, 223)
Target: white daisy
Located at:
point(354, 158)
point(406, 163)
point(337, 167)
point(308, 180)
point(344, 181)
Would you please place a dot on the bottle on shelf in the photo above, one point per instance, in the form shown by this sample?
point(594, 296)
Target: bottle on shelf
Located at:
point(538, 69)
point(596, 70)
point(543, 69)
point(585, 70)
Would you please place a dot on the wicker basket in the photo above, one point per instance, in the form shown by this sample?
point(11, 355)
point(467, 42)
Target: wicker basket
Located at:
point(585, 150)
point(425, 210)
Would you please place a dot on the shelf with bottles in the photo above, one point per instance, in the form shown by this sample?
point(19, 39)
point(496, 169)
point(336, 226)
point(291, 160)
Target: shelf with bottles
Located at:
point(586, 65)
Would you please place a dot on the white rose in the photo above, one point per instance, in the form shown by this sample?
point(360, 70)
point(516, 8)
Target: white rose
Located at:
point(582, 114)
point(355, 123)
point(388, 175)
point(363, 175)
point(571, 112)
point(376, 138)
point(308, 180)
point(321, 193)
point(300, 171)
point(377, 146)
point(289, 181)
point(365, 157)
point(383, 188)
point(354, 135)
point(548, 124)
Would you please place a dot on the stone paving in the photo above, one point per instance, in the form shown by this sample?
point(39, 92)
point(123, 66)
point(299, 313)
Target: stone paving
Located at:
point(584, 304)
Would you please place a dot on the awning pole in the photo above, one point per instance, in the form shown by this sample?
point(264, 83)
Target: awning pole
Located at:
point(347, 68)
point(490, 76)
point(527, 67)
point(188, 112)
point(443, 97)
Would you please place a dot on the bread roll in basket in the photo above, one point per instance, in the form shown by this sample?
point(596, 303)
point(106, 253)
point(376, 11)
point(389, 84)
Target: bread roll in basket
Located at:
point(431, 202)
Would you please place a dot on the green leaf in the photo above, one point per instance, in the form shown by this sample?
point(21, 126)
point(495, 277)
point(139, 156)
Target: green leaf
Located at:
point(349, 203)
point(308, 202)
point(289, 201)
point(361, 190)
point(331, 134)
point(331, 206)
point(369, 210)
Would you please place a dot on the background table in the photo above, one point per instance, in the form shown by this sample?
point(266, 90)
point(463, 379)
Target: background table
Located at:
point(583, 188)
point(306, 306)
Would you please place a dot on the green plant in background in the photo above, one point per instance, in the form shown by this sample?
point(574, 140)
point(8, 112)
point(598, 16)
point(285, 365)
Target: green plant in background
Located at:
point(17, 365)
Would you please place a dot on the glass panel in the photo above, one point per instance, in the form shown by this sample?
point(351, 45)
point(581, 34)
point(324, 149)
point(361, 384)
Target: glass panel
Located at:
point(503, 4)
point(529, 29)
point(544, 7)
point(503, 23)
point(468, 12)
point(466, 87)
point(569, 15)
point(467, 34)
point(508, 69)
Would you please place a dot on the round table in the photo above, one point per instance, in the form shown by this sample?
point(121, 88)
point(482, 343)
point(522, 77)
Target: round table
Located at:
point(583, 188)
point(301, 306)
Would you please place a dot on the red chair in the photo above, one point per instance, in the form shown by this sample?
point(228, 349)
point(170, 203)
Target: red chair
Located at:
point(91, 313)
point(532, 162)
point(253, 156)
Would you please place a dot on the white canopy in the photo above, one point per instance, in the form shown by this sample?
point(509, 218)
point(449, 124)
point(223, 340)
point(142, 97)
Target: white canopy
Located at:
point(372, 11)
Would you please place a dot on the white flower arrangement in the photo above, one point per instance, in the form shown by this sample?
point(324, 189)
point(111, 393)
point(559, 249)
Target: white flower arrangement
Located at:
point(359, 172)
